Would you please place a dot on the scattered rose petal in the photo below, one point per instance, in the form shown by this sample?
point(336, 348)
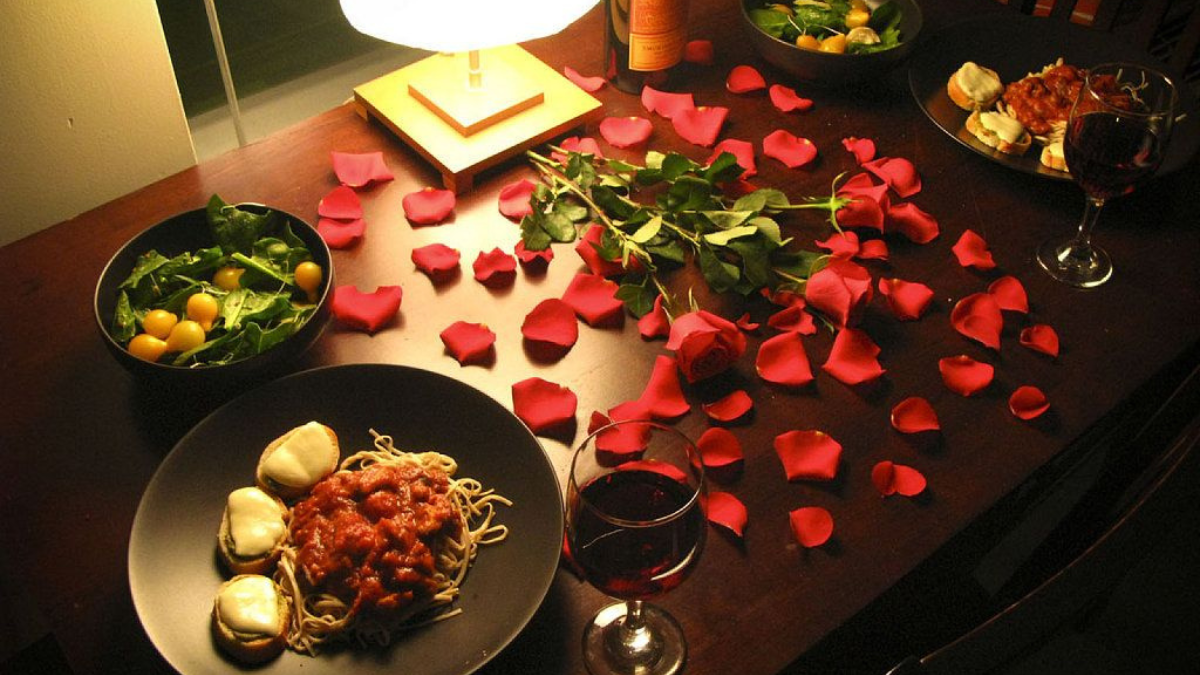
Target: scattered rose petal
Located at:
point(808, 455)
point(729, 407)
point(785, 99)
point(782, 360)
point(1040, 338)
point(909, 220)
point(972, 251)
point(594, 299)
point(514, 199)
point(533, 261)
point(436, 260)
point(873, 249)
point(700, 126)
point(793, 318)
point(914, 415)
point(468, 342)
point(852, 360)
point(1010, 294)
point(898, 173)
point(742, 150)
point(619, 442)
point(840, 291)
point(543, 405)
point(727, 511)
point(746, 324)
point(719, 447)
point(593, 83)
point(585, 145)
point(339, 234)
point(841, 244)
point(862, 211)
point(358, 169)
point(811, 525)
point(663, 396)
point(666, 104)
point(342, 203)
point(897, 479)
point(699, 52)
point(744, 79)
point(655, 323)
point(964, 375)
point(794, 152)
point(551, 322)
point(625, 132)
point(978, 317)
point(705, 344)
point(908, 300)
point(495, 268)
point(1028, 402)
point(366, 311)
point(863, 149)
point(428, 206)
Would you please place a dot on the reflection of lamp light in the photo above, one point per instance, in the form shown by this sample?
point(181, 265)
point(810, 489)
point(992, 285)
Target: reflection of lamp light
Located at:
point(481, 99)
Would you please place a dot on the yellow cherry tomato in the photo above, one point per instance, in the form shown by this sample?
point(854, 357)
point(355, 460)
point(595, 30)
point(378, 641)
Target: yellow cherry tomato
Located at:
point(808, 42)
point(147, 347)
point(780, 7)
point(834, 44)
point(308, 278)
point(159, 322)
point(202, 308)
point(856, 18)
point(185, 336)
point(228, 278)
point(860, 4)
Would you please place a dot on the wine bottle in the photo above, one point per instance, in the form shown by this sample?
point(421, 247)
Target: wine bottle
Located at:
point(644, 40)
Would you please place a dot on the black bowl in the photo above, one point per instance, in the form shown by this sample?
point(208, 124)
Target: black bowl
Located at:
point(835, 70)
point(189, 231)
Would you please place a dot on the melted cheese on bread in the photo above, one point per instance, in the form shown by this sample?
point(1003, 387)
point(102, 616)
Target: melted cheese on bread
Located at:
point(1006, 128)
point(978, 83)
point(255, 522)
point(303, 458)
point(250, 605)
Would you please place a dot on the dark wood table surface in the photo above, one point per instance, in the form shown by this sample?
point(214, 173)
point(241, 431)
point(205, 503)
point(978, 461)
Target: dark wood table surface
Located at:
point(81, 438)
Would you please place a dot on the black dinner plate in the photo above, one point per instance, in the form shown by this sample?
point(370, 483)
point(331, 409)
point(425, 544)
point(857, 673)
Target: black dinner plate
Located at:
point(1015, 45)
point(173, 567)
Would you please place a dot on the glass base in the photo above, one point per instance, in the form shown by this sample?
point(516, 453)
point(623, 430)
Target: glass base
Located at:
point(1082, 266)
point(609, 648)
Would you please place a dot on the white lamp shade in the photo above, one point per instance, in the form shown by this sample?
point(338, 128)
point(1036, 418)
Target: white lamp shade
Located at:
point(462, 25)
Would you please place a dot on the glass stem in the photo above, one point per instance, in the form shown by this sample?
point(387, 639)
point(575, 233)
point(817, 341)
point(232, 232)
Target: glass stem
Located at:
point(1081, 246)
point(635, 619)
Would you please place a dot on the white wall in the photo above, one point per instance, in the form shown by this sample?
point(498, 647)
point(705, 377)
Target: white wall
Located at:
point(89, 108)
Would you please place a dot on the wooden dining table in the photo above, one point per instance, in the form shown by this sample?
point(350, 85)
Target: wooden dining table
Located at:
point(80, 437)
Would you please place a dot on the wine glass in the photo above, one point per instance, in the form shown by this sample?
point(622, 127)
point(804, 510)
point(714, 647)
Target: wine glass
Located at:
point(635, 528)
point(1115, 138)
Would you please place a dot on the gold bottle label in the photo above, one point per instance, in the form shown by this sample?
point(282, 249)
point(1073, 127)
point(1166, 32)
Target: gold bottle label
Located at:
point(657, 33)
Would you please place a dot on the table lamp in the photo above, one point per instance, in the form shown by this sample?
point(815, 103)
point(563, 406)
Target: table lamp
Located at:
point(481, 98)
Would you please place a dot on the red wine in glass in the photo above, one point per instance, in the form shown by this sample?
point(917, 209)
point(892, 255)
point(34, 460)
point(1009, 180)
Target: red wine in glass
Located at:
point(1109, 154)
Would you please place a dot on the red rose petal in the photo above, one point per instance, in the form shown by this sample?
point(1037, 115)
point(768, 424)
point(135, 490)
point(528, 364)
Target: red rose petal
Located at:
point(727, 511)
point(495, 268)
point(1040, 338)
point(914, 415)
point(794, 152)
point(793, 318)
point(742, 150)
point(811, 525)
point(358, 169)
point(729, 407)
point(873, 249)
point(366, 311)
point(782, 360)
point(621, 441)
point(436, 260)
point(972, 251)
point(746, 324)
point(655, 323)
point(428, 206)
point(543, 405)
point(841, 244)
point(468, 342)
point(588, 248)
point(593, 83)
point(339, 234)
point(841, 291)
point(964, 375)
point(551, 322)
point(699, 52)
point(625, 132)
point(898, 173)
point(785, 99)
point(808, 455)
point(719, 448)
point(584, 145)
point(533, 261)
point(663, 395)
point(890, 479)
point(666, 104)
point(594, 299)
point(1010, 294)
point(700, 126)
point(909, 220)
point(514, 199)
point(978, 317)
point(342, 203)
point(852, 360)
point(862, 184)
point(862, 211)
point(1028, 402)
point(908, 300)
point(744, 79)
point(863, 149)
